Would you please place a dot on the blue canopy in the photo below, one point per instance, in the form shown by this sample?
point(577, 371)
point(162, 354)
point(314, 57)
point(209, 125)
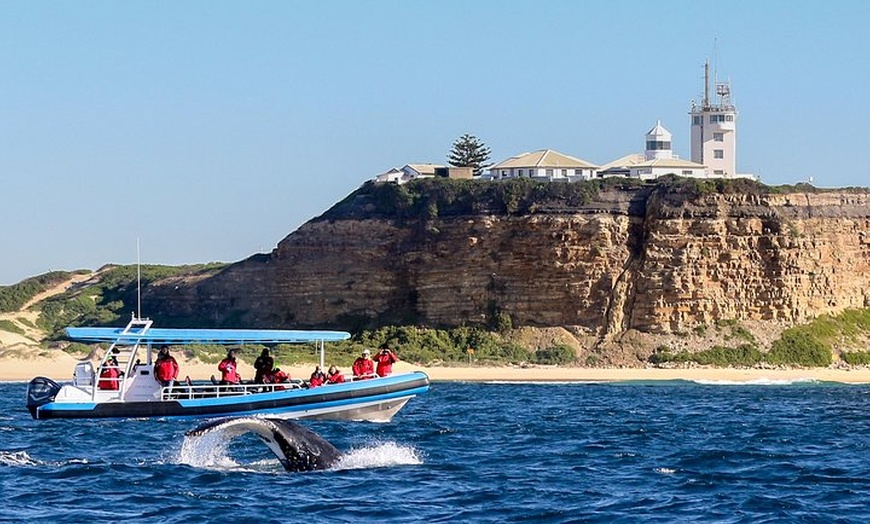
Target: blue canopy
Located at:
point(203, 336)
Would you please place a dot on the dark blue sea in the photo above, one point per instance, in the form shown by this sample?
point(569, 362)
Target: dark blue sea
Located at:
point(622, 452)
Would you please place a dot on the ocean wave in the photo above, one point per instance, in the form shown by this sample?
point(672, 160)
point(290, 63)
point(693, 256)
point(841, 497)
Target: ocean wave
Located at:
point(757, 382)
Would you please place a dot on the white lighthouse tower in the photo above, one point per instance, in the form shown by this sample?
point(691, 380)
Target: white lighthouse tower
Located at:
point(714, 130)
point(658, 143)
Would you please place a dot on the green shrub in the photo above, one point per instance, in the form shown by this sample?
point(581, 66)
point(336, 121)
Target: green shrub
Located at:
point(799, 348)
point(856, 358)
point(559, 355)
point(77, 348)
point(12, 327)
point(741, 333)
point(744, 355)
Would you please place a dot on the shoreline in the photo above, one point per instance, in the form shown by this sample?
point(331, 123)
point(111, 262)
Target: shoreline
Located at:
point(59, 367)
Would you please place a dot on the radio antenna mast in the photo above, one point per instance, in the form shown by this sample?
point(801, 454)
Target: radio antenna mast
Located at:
point(138, 281)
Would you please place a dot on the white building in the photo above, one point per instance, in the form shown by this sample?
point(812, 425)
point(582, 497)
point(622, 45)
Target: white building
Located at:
point(394, 175)
point(659, 158)
point(415, 171)
point(544, 164)
point(714, 130)
point(410, 172)
point(407, 173)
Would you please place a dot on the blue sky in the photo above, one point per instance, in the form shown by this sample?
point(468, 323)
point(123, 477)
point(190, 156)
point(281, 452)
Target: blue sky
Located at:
point(211, 130)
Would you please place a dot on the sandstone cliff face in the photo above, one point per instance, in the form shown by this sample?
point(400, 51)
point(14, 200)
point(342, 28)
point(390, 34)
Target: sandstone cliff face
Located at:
point(640, 259)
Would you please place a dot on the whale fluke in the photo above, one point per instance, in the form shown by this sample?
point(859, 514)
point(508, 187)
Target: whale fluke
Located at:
point(297, 447)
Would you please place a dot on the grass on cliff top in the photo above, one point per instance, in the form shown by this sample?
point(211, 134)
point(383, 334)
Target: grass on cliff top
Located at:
point(429, 198)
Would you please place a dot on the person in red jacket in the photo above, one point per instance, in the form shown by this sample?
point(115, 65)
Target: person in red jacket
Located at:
point(364, 366)
point(334, 376)
point(165, 368)
point(385, 360)
point(229, 369)
point(317, 378)
point(110, 375)
point(277, 377)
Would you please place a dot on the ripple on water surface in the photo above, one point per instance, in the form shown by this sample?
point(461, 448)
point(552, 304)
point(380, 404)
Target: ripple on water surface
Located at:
point(672, 452)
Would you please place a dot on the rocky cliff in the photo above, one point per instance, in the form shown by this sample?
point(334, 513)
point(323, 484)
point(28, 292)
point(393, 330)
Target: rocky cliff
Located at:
point(601, 258)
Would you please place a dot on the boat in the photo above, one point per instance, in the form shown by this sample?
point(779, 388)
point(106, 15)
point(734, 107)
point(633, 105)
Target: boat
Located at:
point(138, 395)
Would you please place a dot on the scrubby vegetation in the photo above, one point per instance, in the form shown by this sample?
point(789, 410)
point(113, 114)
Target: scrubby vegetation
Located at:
point(107, 302)
point(744, 355)
point(462, 345)
point(429, 198)
point(13, 298)
point(856, 358)
point(808, 345)
point(8, 325)
point(441, 197)
point(795, 347)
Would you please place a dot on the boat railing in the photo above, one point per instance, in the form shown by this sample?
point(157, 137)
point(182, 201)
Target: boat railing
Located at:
point(197, 391)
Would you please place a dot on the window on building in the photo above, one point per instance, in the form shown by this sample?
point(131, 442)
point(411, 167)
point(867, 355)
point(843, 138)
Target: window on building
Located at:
point(504, 173)
point(657, 145)
point(549, 172)
point(729, 118)
point(718, 172)
point(521, 172)
point(718, 137)
point(564, 172)
point(697, 120)
point(718, 153)
point(687, 171)
point(578, 172)
point(715, 119)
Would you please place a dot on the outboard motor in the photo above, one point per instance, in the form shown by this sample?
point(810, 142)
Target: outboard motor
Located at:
point(40, 391)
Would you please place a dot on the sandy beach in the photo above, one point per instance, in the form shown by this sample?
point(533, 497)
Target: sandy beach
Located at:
point(59, 366)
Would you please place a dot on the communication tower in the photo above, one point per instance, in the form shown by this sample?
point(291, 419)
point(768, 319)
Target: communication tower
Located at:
point(714, 129)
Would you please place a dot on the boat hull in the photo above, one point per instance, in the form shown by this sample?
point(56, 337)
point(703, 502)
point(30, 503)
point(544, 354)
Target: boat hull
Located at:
point(375, 400)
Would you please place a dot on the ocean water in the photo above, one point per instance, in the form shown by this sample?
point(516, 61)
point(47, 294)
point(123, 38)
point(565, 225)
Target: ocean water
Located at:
point(624, 452)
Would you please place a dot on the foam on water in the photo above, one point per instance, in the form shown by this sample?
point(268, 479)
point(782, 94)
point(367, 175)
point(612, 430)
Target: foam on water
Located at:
point(17, 458)
point(757, 382)
point(379, 456)
point(22, 459)
point(210, 451)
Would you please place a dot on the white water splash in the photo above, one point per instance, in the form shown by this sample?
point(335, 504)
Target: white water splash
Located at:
point(665, 471)
point(208, 451)
point(379, 456)
point(17, 458)
point(757, 382)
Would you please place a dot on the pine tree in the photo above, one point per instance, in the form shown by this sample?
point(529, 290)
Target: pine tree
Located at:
point(468, 151)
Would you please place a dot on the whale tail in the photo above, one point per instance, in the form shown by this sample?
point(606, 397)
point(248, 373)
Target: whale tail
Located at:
point(297, 447)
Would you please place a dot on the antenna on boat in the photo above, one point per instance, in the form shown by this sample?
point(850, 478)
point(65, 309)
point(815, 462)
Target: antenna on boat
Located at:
point(138, 281)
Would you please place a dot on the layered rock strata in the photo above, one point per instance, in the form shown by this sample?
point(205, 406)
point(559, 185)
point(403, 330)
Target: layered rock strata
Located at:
point(647, 259)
